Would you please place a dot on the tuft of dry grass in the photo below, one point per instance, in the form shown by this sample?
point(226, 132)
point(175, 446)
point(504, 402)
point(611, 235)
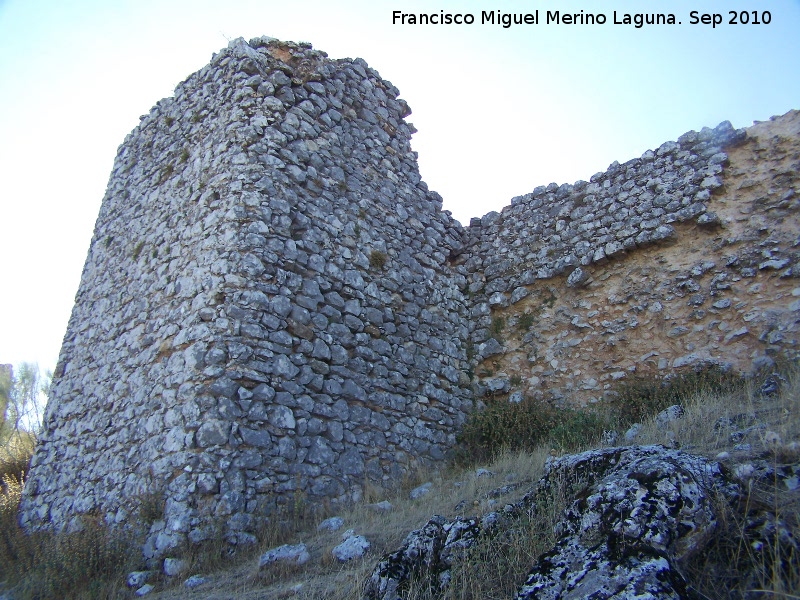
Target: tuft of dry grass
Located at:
point(89, 562)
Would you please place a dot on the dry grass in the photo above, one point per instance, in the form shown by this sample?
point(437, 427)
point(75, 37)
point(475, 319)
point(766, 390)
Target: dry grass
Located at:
point(745, 559)
point(82, 564)
point(737, 561)
point(713, 419)
point(455, 492)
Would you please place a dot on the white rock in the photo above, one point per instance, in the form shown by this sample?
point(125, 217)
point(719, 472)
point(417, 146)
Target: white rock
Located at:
point(609, 438)
point(353, 547)
point(137, 579)
point(194, 581)
point(332, 524)
point(144, 590)
point(297, 554)
point(633, 432)
point(670, 414)
point(174, 566)
point(420, 491)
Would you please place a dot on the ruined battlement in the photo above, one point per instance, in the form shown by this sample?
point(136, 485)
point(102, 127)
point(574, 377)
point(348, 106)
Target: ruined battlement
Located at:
point(274, 302)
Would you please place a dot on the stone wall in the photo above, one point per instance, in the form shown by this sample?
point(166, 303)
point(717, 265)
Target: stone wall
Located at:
point(265, 309)
point(686, 255)
point(275, 304)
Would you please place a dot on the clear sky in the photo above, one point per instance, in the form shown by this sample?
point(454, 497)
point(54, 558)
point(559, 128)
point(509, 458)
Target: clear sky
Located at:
point(499, 110)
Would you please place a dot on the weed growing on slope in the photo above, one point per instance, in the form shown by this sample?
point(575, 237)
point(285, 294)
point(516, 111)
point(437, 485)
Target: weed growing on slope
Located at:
point(525, 425)
point(86, 563)
point(642, 395)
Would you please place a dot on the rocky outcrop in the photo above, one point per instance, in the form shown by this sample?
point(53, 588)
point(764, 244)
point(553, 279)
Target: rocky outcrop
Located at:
point(639, 515)
point(645, 512)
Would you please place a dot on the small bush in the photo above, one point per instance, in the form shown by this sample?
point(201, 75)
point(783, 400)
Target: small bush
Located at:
point(14, 463)
point(579, 428)
point(525, 322)
point(498, 325)
point(526, 425)
point(645, 395)
point(137, 250)
point(377, 259)
point(166, 172)
point(151, 506)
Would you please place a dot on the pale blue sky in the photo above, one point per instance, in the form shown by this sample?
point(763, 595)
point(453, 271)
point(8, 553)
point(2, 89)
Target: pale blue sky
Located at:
point(499, 111)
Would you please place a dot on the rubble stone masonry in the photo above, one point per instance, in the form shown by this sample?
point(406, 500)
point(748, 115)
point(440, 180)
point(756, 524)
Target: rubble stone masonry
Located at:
point(274, 303)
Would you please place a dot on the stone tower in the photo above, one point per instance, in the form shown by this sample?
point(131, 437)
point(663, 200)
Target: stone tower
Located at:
point(266, 307)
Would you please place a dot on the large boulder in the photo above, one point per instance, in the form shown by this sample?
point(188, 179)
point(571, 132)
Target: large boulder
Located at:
point(643, 514)
point(640, 514)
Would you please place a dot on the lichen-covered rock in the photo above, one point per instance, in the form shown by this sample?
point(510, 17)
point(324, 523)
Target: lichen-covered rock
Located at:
point(429, 549)
point(644, 512)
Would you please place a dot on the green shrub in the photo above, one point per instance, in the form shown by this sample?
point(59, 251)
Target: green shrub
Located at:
point(377, 259)
point(578, 428)
point(526, 425)
point(166, 172)
point(644, 395)
point(14, 463)
point(137, 250)
point(525, 322)
point(498, 325)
